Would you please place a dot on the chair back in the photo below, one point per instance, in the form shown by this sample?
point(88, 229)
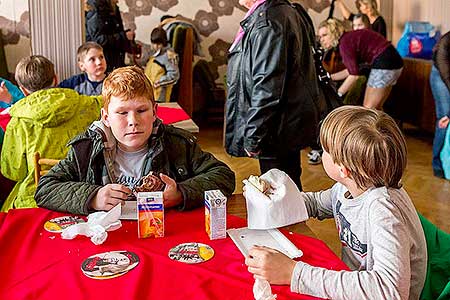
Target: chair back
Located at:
point(39, 162)
point(437, 282)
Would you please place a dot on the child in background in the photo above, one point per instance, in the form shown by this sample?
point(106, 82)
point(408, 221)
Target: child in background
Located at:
point(92, 63)
point(162, 67)
point(360, 21)
point(382, 238)
point(108, 161)
point(44, 121)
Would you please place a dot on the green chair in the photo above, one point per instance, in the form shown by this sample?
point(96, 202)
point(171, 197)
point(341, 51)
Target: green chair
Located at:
point(437, 282)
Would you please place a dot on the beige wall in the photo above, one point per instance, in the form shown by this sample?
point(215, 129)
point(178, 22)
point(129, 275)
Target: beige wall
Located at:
point(435, 11)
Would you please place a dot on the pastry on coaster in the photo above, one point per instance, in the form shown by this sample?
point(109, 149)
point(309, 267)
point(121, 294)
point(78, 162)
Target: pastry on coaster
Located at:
point(150, 183)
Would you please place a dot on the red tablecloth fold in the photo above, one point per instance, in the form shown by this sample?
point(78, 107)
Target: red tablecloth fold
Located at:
point(170, 115)
point(4, 119)
point(37, 264)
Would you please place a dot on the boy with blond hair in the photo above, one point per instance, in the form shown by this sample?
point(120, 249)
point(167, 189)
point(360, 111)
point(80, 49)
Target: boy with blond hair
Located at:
point(382, 238)
point(44, 121)
point(92, 63)
point(105, 163)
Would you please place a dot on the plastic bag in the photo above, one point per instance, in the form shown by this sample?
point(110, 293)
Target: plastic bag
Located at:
point(418, 40)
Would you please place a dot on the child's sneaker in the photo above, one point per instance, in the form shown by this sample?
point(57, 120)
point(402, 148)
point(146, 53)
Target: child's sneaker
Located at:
point(314, 157)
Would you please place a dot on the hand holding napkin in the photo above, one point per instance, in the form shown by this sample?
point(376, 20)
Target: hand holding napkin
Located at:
point(282, 205)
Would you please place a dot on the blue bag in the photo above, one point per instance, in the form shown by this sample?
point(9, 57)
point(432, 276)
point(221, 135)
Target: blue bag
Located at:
point(418, 40)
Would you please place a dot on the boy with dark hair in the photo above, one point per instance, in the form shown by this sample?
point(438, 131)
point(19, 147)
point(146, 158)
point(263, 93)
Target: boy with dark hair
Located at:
point(109, 160)
point(92, 63)
point(162, 67)
point(383, 242)
point(44, 121)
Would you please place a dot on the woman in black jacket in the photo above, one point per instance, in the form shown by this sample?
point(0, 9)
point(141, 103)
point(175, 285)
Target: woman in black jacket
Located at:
point(104, 26)
point(271, 109)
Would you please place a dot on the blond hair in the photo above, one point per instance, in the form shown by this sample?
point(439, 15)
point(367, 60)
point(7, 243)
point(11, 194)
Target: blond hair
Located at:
point(35, 73)
point(127, 83)
point(372, 4)
point(368, 143)
point(336, 30)
point(84, 49)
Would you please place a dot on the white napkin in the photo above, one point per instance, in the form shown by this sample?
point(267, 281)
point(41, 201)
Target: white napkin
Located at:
point(96, 226)
point(262, 290)
point(281, 206)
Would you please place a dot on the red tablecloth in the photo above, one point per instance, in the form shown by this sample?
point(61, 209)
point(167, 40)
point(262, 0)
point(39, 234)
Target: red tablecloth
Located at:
point(170, 115)
point(4, 119)
point(36, 264)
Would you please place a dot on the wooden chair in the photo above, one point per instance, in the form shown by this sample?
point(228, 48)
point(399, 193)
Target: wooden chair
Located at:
point(38, 163)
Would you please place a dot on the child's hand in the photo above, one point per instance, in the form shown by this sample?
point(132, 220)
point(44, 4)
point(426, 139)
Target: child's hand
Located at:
point(5, 96)
point(109, 196)
point(269, 264)
point(443, 122)
point(172, 196)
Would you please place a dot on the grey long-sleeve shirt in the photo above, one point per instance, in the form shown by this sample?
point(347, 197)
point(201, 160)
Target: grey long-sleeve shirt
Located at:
point(382, 243)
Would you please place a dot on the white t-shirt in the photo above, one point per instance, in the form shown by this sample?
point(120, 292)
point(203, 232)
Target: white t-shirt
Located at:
point(128, 166)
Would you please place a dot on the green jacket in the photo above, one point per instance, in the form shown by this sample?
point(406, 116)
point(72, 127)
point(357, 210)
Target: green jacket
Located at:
point(45, 121)
point(72, 183)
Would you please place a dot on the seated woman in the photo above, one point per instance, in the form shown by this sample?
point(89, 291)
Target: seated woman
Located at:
point(368, 8)
point(162, 67)
point(366, 49)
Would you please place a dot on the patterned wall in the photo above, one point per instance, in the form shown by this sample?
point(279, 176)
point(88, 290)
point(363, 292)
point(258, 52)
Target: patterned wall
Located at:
point(15, 29)
point(216, 20)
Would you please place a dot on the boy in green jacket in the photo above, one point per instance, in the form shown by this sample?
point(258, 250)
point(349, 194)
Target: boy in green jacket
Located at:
point(108, 161)
point(44, 121)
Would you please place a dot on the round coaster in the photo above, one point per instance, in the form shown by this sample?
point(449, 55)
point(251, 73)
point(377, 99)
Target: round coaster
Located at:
point(109, 264)
point(191, 253)
point(60, 223)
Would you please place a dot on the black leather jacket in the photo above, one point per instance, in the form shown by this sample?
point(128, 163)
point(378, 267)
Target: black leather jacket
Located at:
point(104, 26)
point(272, 86)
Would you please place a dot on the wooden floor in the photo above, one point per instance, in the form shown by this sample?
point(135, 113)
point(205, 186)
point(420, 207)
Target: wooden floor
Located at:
point(431, 195)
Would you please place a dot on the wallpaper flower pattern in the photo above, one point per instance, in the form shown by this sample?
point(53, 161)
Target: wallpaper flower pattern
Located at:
point(217, 21)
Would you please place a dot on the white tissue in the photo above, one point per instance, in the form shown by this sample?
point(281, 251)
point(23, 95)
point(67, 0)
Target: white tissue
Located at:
point(96, 227)
point(262, 290)
point(283, 206)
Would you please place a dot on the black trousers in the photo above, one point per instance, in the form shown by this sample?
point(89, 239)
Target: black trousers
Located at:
point(288, 162)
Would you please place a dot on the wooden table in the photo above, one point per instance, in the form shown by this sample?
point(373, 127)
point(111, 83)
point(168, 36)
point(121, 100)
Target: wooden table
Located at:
point(236, 206)
point(188, 125)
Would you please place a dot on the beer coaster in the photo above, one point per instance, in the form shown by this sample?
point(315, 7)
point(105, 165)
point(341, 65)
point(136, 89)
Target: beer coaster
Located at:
point(191, 253)
point(109, 264)
point(60, 223)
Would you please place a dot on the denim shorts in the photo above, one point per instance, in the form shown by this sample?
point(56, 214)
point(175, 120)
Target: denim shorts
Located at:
point(380, 78)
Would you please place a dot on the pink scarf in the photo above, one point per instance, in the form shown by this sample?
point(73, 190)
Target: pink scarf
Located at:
point(240, 32)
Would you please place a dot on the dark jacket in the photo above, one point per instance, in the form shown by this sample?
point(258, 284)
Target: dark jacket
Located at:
point(104, 26)
point(74, 181)
point(272, 85)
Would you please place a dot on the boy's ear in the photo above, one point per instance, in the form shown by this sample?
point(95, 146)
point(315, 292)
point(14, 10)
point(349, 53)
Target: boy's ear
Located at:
point(81, 66)
point(343, 172)
point(105, 117)
point(55, 80)
point(24, 90)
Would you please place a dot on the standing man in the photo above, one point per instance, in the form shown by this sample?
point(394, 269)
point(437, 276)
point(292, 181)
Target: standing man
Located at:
point(272, 87)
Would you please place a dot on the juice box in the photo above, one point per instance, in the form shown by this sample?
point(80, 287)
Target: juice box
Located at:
point(150, 209)
point(215, 214)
